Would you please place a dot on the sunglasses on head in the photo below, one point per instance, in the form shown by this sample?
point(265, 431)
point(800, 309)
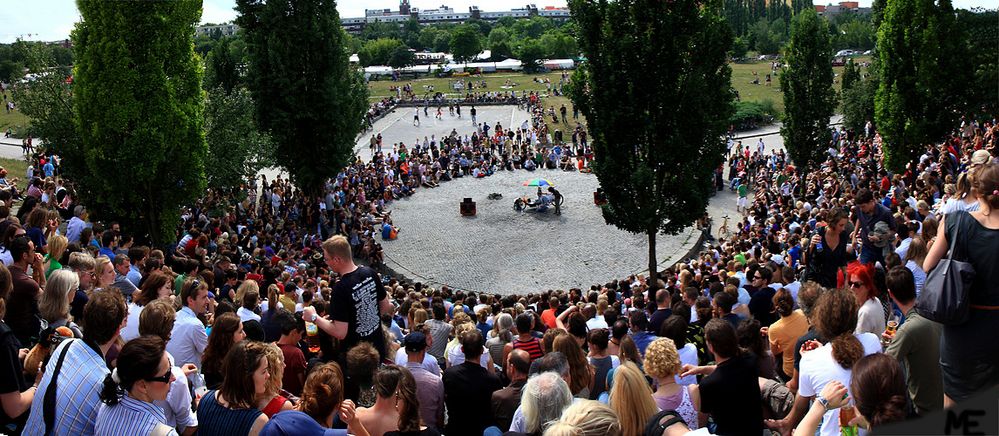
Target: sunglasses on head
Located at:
point(165, 378)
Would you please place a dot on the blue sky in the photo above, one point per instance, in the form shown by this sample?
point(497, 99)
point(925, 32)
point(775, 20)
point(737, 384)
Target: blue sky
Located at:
point(50, 20)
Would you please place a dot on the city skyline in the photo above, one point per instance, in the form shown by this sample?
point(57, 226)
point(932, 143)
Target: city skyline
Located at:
point(52, 20)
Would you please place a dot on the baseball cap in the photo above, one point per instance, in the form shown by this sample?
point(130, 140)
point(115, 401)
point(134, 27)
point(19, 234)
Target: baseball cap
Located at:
point(415, 342)
point(296, 423)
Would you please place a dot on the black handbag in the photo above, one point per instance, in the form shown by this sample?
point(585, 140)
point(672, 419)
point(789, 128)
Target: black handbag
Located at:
point(945, 296)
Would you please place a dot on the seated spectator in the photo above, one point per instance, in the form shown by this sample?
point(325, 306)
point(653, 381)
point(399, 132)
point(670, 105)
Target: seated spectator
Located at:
point(783, 333)
point(733, 380)
point(248, 307)
point(505, 401)
point(15, 393)
point(271, 401)
point(639, 331)
point(232, 409)
point(143, 375)
point(586, 418)
point(322, 399)
point(662, 364)
point(631, 399)
point(292, 331)
point(546, 395)
point(429, 387)
point(227, 331)
point(157, 320)
point(468, 389)
point(579, 367)
point(871, 316)
point(600, 361)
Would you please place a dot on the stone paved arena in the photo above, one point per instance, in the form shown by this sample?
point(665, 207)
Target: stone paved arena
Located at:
point(500, 250)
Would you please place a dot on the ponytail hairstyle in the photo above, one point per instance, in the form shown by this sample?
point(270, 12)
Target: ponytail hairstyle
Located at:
point(836, 319)
point(272, 297)
point(139, 359)
point(397, 381)
point(323, 392)
point(986, 182)
point(879, 390)
point(783, 303)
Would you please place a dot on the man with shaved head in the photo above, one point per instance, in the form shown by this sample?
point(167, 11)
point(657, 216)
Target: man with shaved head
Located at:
point(505, 401)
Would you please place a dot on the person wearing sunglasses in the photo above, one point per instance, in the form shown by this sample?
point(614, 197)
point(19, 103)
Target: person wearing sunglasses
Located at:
point(871, 313)
point(143, 375)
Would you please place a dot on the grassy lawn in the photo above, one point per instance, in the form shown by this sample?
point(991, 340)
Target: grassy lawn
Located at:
point(15, 168)
point(13, 119)
point(742, 77)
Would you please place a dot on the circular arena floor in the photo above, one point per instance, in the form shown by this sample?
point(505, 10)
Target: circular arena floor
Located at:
point(504, 251)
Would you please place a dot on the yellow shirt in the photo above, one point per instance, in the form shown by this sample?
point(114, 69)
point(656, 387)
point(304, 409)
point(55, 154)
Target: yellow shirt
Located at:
point(288, 303)
point(784, 334)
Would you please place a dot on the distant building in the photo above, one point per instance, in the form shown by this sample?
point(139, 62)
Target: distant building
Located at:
point(225, 29)
point(833, 10)
point(445, 14)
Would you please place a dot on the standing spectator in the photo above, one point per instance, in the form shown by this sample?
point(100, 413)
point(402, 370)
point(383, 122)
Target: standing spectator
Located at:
point(835, 320)
point(143, 375)
point(15, 393)
point(970, 364)
point(914, 259)
point(357, 301)
point(915, 344)
point(733, 380)
point(429, 387)
point(503, 335)
point(189, 338)
point(468, 389)
point(871, 313)
point(77, 370)
point(874, 237)
point(157, 320)
point(506, 400)
point(785, 332)
point(22, 307)
point(232, 409)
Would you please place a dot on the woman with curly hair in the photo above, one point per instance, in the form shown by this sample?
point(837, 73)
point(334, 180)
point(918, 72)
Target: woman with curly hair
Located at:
point(631, 399)
point(397, 409)
point(322, 398)
point(835, 319)
point(662, 363)
point(580, 370)
point(273, 400)
point(227, 331)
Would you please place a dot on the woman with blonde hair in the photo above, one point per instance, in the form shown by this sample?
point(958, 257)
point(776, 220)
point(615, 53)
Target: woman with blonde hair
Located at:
point(272, 401)
point(631, 399)
point(53, 306)
point(586, 418)
point(57, 246)
point(105, 273)
point(456, 356)
point(662, 363)
point(249, 285)
point(580, 370)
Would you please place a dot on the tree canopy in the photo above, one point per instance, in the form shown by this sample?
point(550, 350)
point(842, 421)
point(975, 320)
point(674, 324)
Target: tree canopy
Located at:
point(656, 94)
point(139, 112)
point(308, 97)
point(809, 98)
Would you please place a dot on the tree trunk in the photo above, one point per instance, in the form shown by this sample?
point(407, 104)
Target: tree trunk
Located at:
point(653, 280)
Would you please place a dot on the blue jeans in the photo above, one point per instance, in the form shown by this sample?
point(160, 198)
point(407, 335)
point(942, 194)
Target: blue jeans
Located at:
point(870, 254)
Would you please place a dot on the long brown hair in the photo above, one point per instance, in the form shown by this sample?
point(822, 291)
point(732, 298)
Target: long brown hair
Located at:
point(836, 319)
point(151, 288)
point(579, 367)
point(879, 390)
point(238, 387)
point(220, 342)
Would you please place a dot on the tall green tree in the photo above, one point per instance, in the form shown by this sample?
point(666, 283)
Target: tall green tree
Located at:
point(924, 76)
point(809, 98)
point(656, 93)
point(378, 51)
point(401, 56)
point(139, 108)
point(48, 102)
point(308, 97)
point(851, 75)
point(466, 42)
point(983, 38)
point(530, 54)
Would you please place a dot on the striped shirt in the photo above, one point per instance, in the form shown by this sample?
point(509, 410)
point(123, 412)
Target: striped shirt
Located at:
point(130, 417)
point(215, 419)
point(531, 346)
point(77, 391)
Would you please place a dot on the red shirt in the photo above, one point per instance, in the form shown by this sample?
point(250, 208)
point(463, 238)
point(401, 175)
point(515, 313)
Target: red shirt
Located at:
point(548, 317)
point(294, 361)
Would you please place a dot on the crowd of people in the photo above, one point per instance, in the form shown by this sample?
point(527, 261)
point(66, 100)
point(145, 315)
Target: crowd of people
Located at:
point(259, 321)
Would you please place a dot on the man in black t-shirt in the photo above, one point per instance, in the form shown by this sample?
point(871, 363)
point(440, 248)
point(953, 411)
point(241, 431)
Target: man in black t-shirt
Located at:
point(357, 301)
point(731, 394)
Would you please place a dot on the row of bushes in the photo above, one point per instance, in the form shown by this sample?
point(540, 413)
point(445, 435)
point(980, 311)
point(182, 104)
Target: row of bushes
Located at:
point(752, 114)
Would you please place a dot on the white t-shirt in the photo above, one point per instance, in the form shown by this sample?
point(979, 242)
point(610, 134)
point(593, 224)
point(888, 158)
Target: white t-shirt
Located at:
point(247, 314)
point(871, 317)
point(597, 322)
point(818, 368)
point(688, 356)
point(131, 329)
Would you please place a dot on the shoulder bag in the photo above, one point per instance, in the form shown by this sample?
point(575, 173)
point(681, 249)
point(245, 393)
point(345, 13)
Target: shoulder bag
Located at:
point(945, 296)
